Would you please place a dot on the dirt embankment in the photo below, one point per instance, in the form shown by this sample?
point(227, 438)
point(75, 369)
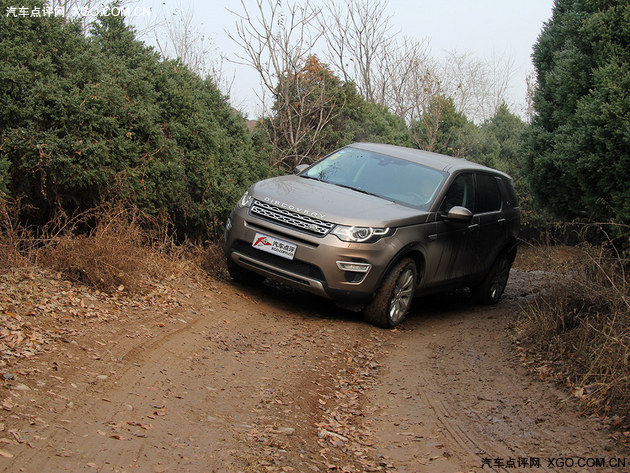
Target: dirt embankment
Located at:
point(206, 376)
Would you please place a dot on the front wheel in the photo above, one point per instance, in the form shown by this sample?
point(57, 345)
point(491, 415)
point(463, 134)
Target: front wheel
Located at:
point(393, 299)
point(492, 287)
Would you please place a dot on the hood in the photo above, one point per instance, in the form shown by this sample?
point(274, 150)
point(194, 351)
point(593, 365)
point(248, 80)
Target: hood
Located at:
point(334, 203)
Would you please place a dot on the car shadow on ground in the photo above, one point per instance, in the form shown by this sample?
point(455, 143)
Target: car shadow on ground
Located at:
point(297, 302)
point(424, 309)
point(435, 307)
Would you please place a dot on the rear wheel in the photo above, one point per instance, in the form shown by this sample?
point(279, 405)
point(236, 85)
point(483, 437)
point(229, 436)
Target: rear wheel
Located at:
point(392, 300)
point(492, 287)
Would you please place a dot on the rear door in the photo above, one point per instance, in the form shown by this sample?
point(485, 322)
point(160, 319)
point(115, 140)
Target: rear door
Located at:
point(492, 228)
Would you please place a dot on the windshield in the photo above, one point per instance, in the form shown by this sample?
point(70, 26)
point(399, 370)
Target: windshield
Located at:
point(387, 177)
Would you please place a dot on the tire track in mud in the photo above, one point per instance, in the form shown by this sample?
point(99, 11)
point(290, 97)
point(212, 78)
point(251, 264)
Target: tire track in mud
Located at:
point(136, 413)
point(238, 387)
point(231, 382)
point(453, 397)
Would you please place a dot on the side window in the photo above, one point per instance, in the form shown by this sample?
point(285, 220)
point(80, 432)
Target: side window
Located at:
point(488, 194)
point(460, 193)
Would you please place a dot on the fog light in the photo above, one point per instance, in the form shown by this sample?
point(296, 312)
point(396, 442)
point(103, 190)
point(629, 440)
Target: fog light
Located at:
point(353, 266)
point(228, 225)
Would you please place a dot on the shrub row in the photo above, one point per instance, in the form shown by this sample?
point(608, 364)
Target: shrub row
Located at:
point(104, 118)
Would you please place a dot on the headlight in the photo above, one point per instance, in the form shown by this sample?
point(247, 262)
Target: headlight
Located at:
point(245, 201)
point(359, 234)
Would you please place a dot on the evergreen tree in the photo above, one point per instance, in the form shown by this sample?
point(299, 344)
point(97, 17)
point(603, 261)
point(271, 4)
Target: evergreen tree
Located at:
point(442, 129)
point(373, 122)
point(577, 150)
point(4, 176)
point(497, 142)
point(322, 113)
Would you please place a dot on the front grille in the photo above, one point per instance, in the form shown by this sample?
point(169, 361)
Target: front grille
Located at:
point(295, 266)
point(288, 218)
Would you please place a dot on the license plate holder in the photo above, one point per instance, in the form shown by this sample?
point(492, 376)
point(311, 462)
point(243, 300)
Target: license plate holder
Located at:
point(274, 245)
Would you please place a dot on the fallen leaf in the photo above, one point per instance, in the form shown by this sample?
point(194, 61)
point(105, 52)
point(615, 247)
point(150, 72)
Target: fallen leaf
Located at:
point(579, 393)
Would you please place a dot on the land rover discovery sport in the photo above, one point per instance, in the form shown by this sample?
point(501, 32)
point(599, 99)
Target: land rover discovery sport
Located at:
point(372, 225)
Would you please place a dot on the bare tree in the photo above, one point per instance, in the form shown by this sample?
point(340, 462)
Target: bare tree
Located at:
point(408, 80)
point(182, 40)
point(532, 85)
point(83, 10)
point(277, 42)
point(178, 36)
point(477, 87)
point(501, 74)
point(361, 45)
point(358, 36)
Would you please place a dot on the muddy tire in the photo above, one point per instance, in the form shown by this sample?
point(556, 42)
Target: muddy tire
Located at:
point(242, 275)
point(492, 287)
point(392, 300)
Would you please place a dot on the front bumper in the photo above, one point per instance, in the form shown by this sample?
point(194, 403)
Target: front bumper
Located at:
point(315, 267)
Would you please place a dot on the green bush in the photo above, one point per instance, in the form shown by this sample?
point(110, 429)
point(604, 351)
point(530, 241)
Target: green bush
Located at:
point(84, 121)
point(576, 150)
point(4, 176)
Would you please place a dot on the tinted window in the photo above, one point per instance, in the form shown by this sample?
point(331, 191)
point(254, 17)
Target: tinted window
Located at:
point(488, 194)
point(460, 193)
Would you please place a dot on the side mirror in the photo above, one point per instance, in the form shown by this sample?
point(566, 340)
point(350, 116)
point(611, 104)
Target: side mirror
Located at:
point(459, 214)
point(300, 168)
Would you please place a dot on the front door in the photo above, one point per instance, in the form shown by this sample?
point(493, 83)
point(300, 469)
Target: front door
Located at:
point(456, 242)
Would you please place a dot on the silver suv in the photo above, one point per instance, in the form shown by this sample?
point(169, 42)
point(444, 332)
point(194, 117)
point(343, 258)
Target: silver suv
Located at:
point(372, 225)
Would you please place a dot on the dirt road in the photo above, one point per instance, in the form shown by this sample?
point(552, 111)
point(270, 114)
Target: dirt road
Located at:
point(207, 376)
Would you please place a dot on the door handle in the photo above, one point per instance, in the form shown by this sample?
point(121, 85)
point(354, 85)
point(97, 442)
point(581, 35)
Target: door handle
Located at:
point(474, 226)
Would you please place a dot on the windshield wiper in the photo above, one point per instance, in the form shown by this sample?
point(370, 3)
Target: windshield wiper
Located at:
point(363, 191)
point(312, 177)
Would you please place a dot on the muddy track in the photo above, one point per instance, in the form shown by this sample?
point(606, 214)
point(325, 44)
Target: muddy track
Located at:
point(258, 379)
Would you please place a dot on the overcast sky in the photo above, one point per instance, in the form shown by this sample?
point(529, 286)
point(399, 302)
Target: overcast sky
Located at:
point(483, 28)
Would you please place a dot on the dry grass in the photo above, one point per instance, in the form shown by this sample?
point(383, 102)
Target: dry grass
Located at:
point(12, 238)
point(211, 260)
point(550, 258)
point(109, 248)
point(579, 328)
point(110, 257)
